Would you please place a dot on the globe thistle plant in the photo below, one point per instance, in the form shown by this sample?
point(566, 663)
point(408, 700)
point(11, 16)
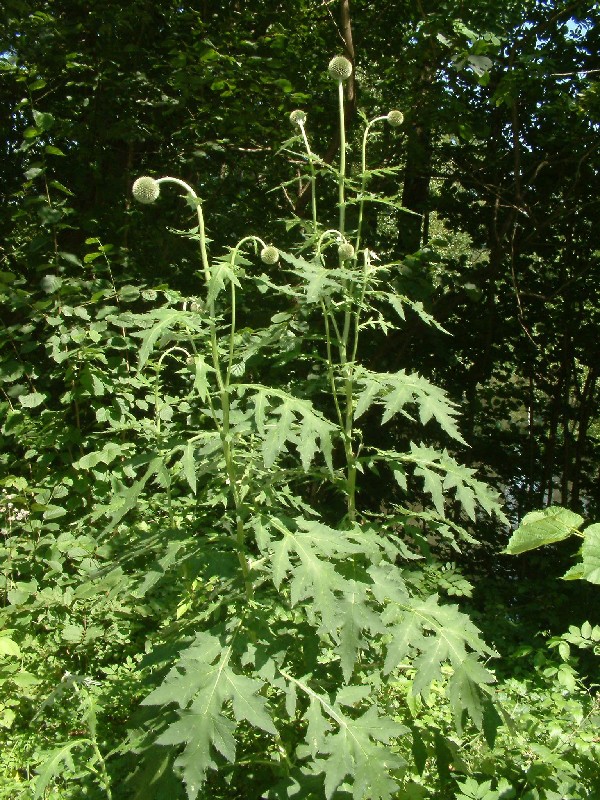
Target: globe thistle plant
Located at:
point(340, 68)
point(395, 118)
point(146, 190)
point(269, 255)
point(346, 251)
point(298, 117)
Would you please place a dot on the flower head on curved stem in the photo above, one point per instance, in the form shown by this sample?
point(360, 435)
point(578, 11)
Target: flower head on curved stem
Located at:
point(395, 118)
point(146, 190)
point(346, 251)
point(298, 118)
point(269, 255)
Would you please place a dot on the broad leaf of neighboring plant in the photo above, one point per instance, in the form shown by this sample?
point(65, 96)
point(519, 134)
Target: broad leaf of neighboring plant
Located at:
point(589, 568)
point(543, 527)
point(553, 525)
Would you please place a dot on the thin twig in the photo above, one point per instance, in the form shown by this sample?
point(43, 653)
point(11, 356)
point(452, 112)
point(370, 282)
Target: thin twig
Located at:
point(571, 74)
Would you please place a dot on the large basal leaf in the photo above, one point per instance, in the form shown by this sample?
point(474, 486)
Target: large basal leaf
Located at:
point(357, 616)
point(204, 680)
point(310, 560)
point(441, 474)
point(54, 765)
point(306, 551)
point(342, 746)
point(282, 418)
point(466, 687)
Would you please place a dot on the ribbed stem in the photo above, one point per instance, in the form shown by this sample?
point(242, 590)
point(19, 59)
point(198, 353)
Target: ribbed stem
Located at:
point(313, 177)
point(330, 372)
point(348, 368)
point(234, 253)
point(342, 172)
point(364, 178)
point(223, 386)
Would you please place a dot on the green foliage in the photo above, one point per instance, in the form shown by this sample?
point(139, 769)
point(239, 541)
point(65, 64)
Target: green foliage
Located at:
point(552, 525)
point(273, 570)
point(252, 487)
point(537, 741)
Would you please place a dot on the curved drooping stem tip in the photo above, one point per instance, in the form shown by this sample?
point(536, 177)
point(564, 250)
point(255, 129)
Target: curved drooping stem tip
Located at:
point(146, 190)
point(394, 119)
point(298, 118)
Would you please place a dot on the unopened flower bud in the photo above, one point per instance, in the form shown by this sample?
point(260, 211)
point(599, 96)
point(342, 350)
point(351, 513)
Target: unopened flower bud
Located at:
point(269, 255)
point(340, 68)
point(346, 251)
point(146, 190)
point(297, 117)
point(395, 118)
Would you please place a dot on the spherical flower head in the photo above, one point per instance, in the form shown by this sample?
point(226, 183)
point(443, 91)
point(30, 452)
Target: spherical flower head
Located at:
point(146, 190)
point(269, 255)
point(340, 68)
point(346, 251)
point(298, 117)
point(395, 118)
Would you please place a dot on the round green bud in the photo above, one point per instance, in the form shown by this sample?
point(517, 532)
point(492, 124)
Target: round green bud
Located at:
point(297, 117)
point(395, 118)
point(269, 255)
point(340, 68)
point(346, 251)
point(146, 190)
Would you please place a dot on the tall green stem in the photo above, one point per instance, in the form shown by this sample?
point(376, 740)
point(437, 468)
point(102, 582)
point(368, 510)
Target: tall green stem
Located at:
point(363, 184)
point(223, 387)
point(313, 177)
point(201, 231)
point(228, 450)
point(157, 422)
point(342, 173)
point(330, 372)
point(347, 366)
point(234, 254)
point(363, 290)
point(350, 456)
